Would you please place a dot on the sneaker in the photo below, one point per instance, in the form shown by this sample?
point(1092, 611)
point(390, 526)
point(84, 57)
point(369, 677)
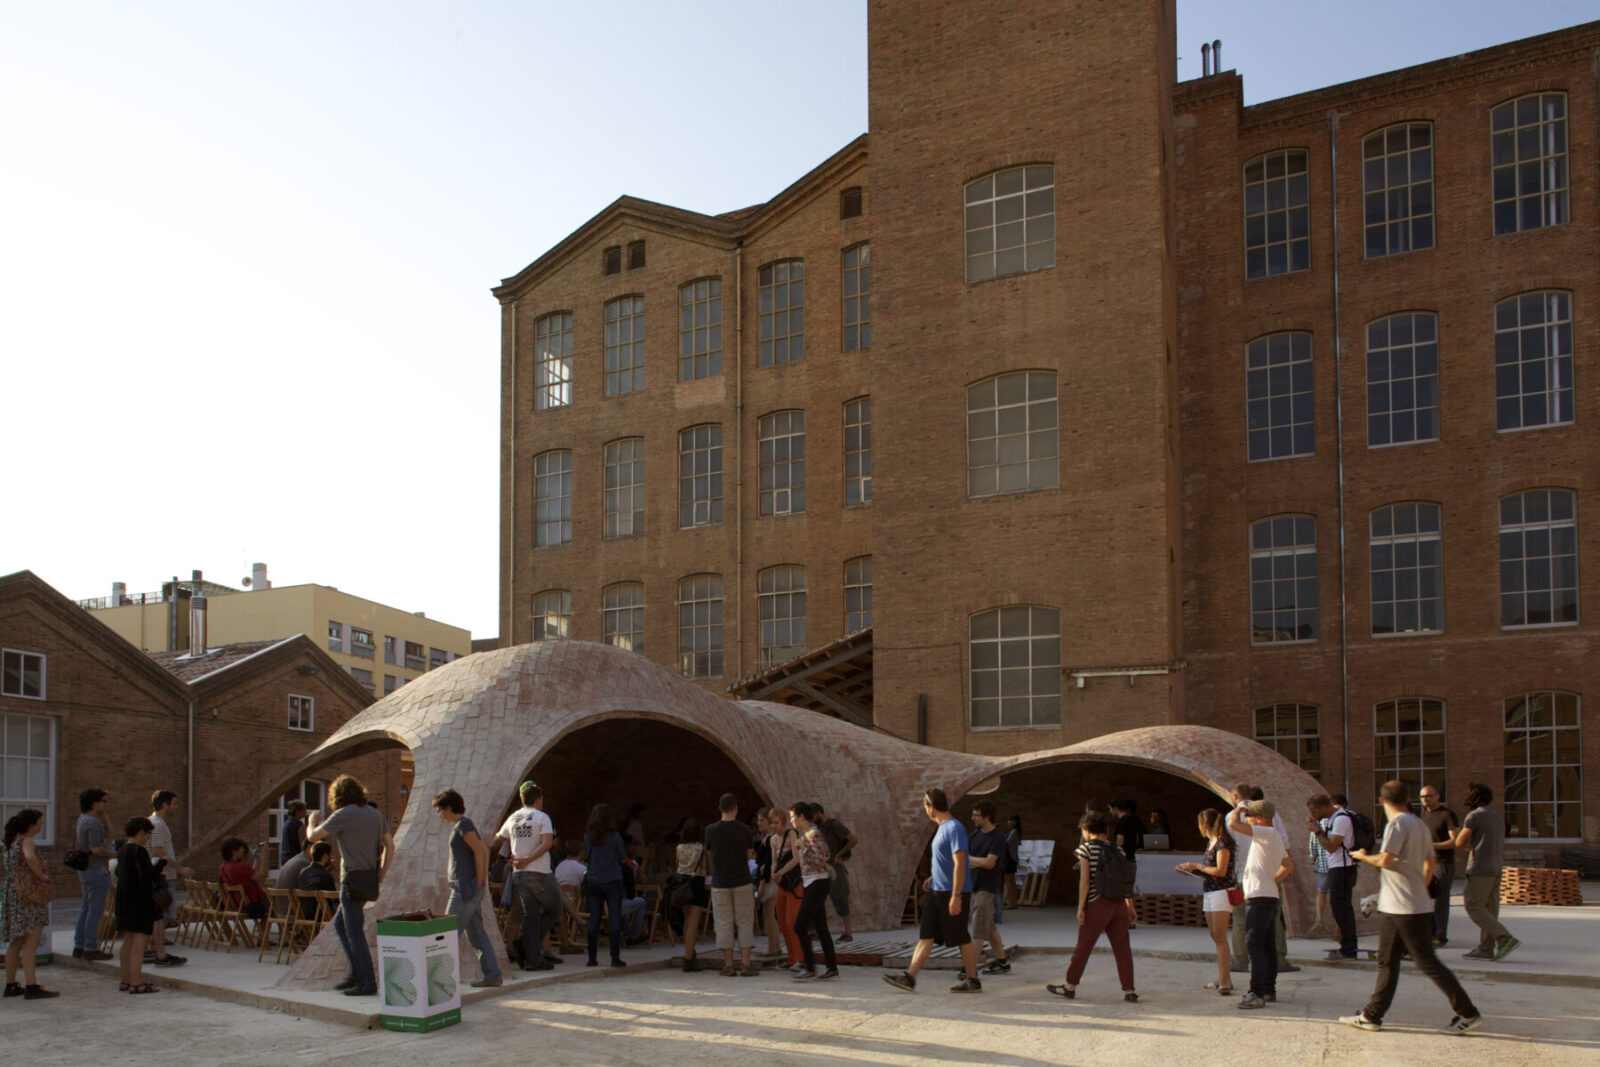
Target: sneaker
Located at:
point(806, 975)
point(348, 983)
point(967, 985)
point(171, 959)
point(1249, 1001)
point(831, 972)
point(903, 980)
point(1477, 954)
point(486, 983)
point(13, 989)
point(1461, 1024)
point(1287, 968)
point(1360, 1021)
point(691, 964)
point(38, 992)
point(998, 967)
point(1506, 947)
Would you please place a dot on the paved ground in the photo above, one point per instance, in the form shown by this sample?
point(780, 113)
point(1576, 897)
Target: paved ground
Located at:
point(654, 1017)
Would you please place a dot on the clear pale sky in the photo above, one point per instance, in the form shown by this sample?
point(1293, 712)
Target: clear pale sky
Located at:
point(245, 249)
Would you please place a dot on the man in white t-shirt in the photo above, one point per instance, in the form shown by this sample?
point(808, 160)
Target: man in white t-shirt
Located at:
point(1337, 840)
point(1405, 916)
point(531, 835)
point(164, 806)
point(1265, 867)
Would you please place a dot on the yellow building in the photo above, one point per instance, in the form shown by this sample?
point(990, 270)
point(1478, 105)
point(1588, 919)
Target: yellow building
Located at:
point(382, 647)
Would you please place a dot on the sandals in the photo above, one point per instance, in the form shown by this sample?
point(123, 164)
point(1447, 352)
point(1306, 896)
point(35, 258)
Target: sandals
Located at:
point(123, 987)
point(1130, 996)
point(143, 987)
point(1224, 990)
point(1061, 991)
point(729, 972)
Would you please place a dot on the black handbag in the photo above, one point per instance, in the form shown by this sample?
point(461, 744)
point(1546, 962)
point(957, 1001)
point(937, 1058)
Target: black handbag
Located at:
point(362, 885)
point(678, 890)
point(77, 859)
point(161, 894)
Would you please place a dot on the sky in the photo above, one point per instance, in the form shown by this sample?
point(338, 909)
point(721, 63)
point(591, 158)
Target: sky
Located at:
point(246, 249)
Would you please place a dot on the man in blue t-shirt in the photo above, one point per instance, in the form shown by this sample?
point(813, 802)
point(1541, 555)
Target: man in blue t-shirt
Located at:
point(946, 909)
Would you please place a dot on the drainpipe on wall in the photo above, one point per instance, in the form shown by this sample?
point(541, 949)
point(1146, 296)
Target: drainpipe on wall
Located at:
point(508, 634)
point(188, 796)
point(738, 437)
point(1338, 440)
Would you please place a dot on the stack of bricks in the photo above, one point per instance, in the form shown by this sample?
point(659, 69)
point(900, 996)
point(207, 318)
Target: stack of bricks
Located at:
point(1169, 909)
point(1536, 885)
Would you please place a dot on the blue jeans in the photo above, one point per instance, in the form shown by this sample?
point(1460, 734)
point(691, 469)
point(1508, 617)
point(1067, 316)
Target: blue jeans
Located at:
point(349, 923)
point(633, 917)
point(606, 895)
point(1261, 940)
point(469, 914)
point(96, 887)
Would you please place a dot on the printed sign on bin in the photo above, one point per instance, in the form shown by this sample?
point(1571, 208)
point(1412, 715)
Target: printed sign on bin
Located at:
point(419, 974)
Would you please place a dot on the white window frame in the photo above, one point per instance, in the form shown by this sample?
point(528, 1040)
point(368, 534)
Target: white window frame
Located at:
point(552, 498)
point(1554, 330)
point(622, 620)
point(1272, 551)
point(1274, 192)
point(1397, 163)
point(11, 802)
point(1549, 126)
point(1426, 523)
point(700, 329)
point(1013, 422)
point(1548, 526)
point(700, 491)
point(309, 789)
point(1405, 367)
point(302, 712)
point(782, 450)
point(23, 657)
point(625, 327)
point(1010, 222)
point(1026, 663)
point(552, 367)
point(700, 626)
point(856, 272)
point(781, 611)
point(1553, 766)
point(782, 285)
point(857, 593)
point(1283, 366)
point(1297, 743)
point(858, 452)
point(552, 621)
point(623, 471)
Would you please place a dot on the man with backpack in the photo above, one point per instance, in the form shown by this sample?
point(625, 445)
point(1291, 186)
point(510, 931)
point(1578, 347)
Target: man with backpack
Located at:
point(1341, 837)
point(1265, 869)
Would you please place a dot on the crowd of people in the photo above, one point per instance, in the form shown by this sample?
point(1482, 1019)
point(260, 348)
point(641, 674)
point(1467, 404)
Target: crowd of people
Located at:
point(780, 872)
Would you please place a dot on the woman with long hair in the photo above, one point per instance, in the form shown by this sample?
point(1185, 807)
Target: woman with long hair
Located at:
point(693, 861)
point(1216, 873)
point(22, 920)
point(366, 847)
point(787, 878)
point(766, 887)
point(605, 852)
point(136, 902)
point(1097, 914)
point(812, 851)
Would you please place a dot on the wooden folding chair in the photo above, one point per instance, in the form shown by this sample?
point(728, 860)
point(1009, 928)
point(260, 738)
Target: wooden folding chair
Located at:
point(178, 928)
point(106, 936)
point(330, 904)
point(574, 918)
point(308, 912)
point(280, 907)
point(913, 910)
point(234, 924)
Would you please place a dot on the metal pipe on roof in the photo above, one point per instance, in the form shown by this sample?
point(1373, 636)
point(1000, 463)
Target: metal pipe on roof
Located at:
point(1205, 61)
point(1216, 56)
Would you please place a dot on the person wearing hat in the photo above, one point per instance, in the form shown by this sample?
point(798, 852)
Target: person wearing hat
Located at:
point(1265, 868)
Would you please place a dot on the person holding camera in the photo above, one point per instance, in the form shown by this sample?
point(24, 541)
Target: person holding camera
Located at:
point(246, 870)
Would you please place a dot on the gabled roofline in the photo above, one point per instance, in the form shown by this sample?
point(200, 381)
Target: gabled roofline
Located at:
point(26, 584)
point(262, 661)
point(725, 230)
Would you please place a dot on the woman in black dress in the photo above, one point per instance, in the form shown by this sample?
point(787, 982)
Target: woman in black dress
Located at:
point(136, 906)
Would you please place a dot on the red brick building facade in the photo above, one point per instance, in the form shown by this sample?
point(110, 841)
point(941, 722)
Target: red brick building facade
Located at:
point(1110, 402)
point(81, 708)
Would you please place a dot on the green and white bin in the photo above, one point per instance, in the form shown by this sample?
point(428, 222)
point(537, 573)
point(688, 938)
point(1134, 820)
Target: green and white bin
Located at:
point(419, 974)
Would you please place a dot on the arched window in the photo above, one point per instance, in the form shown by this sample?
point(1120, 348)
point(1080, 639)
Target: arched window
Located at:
point(857, 278)
point(1539, 558)
point(552, 615)
point(1406, 552)
point(781, 604)
point(1014, 657)
point(552, 498)
point(1280, 404)
point(1283, 580)
point(700, 329)
point(783, 312)
point(1011, 222)
point(1012, 434)
point(624, 345)
point(552, 368)
point(1544, 765)
point(622, 615)
point(700, 626)
point(1397, 181)
point(782, 447)
point(700, 476)
point(1528, 143)
point(1294, 731)
point(1277, 214)
point(1533, 361)
point(1403, 379)
point(624, 475)
point(1408, 744)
